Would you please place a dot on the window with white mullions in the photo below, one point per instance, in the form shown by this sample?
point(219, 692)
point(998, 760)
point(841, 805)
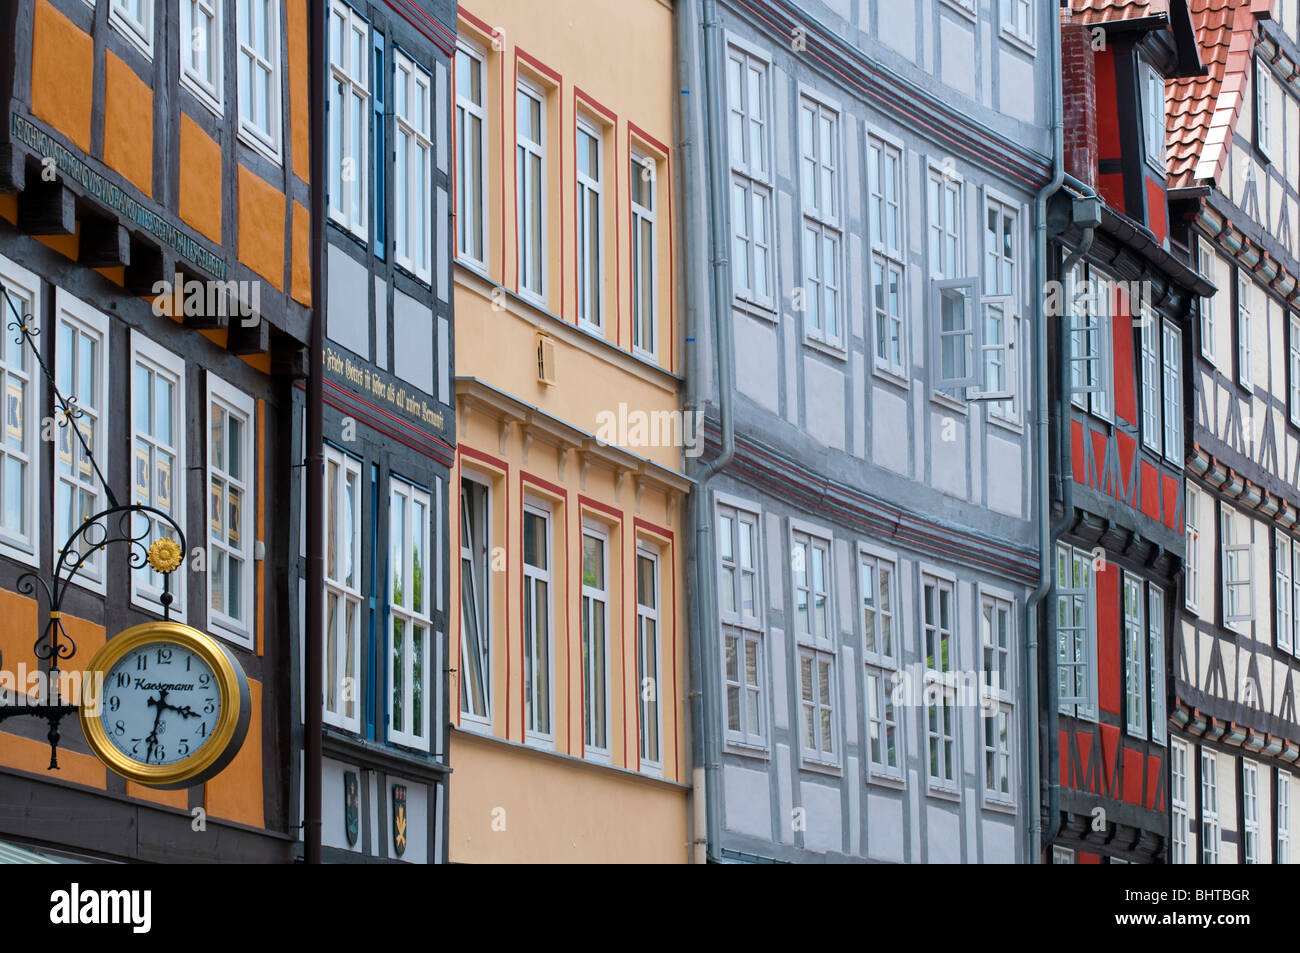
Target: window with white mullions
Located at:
point(939, 647)
point(1267, 114)
point(1205, 268)
point(648, 647)
point(475, 601)
point(202, 69)
point(157, 460)
point(810, 564)
point(999, 309)
point(349, 116)
point(1173, 394)
point(1293, 368)
point(1282, 823)
point(1250, 812)
point(1238, 583)
point(821, 259)
point(1154, 112)
point(885, 209)
point(134, 18)
point(1193, 537)
point(1135, 661)
point(590, 226)
point(530, 115)
point(231, 479)
point(1076, 629)
point(740, 612)
point(595, 641)
point(956, 341)
point(887, 307)
point(412, 166)
point(342, 594)
point(743, 676)
point(1210, 830)
point(1156, 648)
point(409, 610)
point(996, 641)
point(471, 154)
point(1245, 352)
point(1087, 300)
point(751, 185)
point(643, 177)
point(538, 637)
point(1286, 569)
point(20, 452)
point(1018, 19)
point(945, 226)
point(1149, 335)
point(876, 586)
point(817, 705)
point(819, 191)
point(751, 210)
point(258, 23)
point(1180, 784)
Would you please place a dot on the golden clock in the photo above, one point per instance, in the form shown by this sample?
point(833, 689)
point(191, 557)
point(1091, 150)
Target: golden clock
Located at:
point(173, 708)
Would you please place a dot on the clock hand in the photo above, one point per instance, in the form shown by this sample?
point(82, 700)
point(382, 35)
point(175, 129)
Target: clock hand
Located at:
point(152, 738)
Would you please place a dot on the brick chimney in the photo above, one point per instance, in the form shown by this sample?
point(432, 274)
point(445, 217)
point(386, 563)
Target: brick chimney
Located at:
point(1079, 98)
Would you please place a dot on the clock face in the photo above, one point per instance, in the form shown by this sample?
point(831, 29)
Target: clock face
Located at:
point(161, 703)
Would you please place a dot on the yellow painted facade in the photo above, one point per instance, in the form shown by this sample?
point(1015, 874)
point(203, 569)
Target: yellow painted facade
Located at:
point(528, 440)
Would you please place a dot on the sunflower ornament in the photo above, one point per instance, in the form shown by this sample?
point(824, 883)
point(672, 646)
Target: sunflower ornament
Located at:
point(164, 555)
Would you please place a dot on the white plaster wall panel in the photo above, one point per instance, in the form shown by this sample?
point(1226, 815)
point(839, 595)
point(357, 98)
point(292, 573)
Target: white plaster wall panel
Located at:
point(371, 781)
point(825, 385)
point(347, 312)
point(858, 410)
point(756, 360)
point(822, 815)
point(889, 431)
point(784, 794)
point(948, 456)
point(442, 236)
point(777, 659)
point(333, 816)
point(896, 23)
point(999, 839)
point(1016, 72)
point(1005, 477)
point(417, 822)
point(444, 361)
point(975, 464)
point(747, 806)
point(776, 547)
point(785, 133)
point(885, 824)
point(943, 828)
point(913, 796)
point(381, 322)
point(845, 594)
point(848, 713)
point(853, 783)
point(441, 132)
point(413, 342)
point(857, 298)
point(957, 64)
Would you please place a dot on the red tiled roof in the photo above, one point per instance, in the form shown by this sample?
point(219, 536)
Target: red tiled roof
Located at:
point(1089, 12)
point(1203, 110)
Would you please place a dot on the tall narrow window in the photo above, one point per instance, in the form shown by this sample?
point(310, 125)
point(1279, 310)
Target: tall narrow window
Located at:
point(1193, 538)
point(817, 705)
point(81, 374)
point(200, 48)
point(1293, 369)
point(1265, 106)
point(409, 569)
point(1076, 633)
point(642, 178)
point(1245, 373)
point(1156, 649)
point(1018, 19)
point(1209, 807)
point(157, 459)
point(819, 186)
point(530, 189)
point(1173, 394)
point(1238, 583)
point(1153, 115)
point(134, 18)
point(595, 641)
point(1150, 339)
point(259, 74)
point(1205, 268)
point(880, 650)
point(884, 206)
point(945, 206)
point(996, 643)
point(999, 308)
point(1283, 820)
point(471, 155)
point(380, 147)
point(1179, 851)
point(810, 559)
point(740, 612)
point(231, 482)
point(475, 601)
point(538, 647)
point(412, 168)
point(1135, 661)
point(649, 684)
point(1250, 812)
point(1088, 298)
point(591, 262)
point(1283, 555)
point(938, 646)
point(751, 178)
point(349, 110)
point(342, 590)
point(20, 454)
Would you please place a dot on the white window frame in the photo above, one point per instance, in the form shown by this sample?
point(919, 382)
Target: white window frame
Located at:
point(998, 695)
point(237, 404)
point(138, 30)
point(535, 732)
point(819, 711)
point(1282, 821)
point(885, 205)
point(413, 216)
point(1159, 727)
point(940, 683)
point(751, 175)
point(1000, 292)
point(1017, 20)
point(348, 84)
point(1149, 372)
point(1089, 303)
point(472, 209)
point(1210, 829)
point(820, 194)
point(265, 140)
point(816, 648)
point(1133, 608)
point(1285, 553)
point(482, 588)
point(945, 232)
point(823, 284)
point(413, 617)
point(85, 321)
point(1205, 258)
point(745, 630)
point(1192, 535)
point(1154, 110)
point(530, 196)
point(1172, 341)
point(595, 599)
point(811, 542)
point(1240, 555)
point(1245, 348)
point(1250, 833)
point(589, 234)
point(344, 524)
point(1293, 368)
point(146, 585)
point(21, 383)
point(1072, 563)
point(1062, 855)
point(209, 90)
point(879, 611)
point(1265, 86)
point(1180, 784)
point(645, 327)
point(650, 653)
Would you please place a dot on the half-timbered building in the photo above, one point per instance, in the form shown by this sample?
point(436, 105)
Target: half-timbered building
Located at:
point(1234, 168)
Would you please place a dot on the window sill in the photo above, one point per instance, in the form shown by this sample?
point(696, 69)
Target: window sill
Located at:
point(754, 310)
point(957, 7)
point(935, 790)
point(828, 768)
point(474, 723)
point(231, 634)
point(880, 779)
point(890, 376)
point(259, 145)
point(996, 803)
point(836, 351)
point(950, 403)
point(1024, 44)
point(1002, 423)
point(205, 97)
point(747, 750)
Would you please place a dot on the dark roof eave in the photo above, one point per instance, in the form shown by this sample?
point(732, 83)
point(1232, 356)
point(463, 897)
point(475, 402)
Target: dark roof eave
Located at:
point(1124, 230)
